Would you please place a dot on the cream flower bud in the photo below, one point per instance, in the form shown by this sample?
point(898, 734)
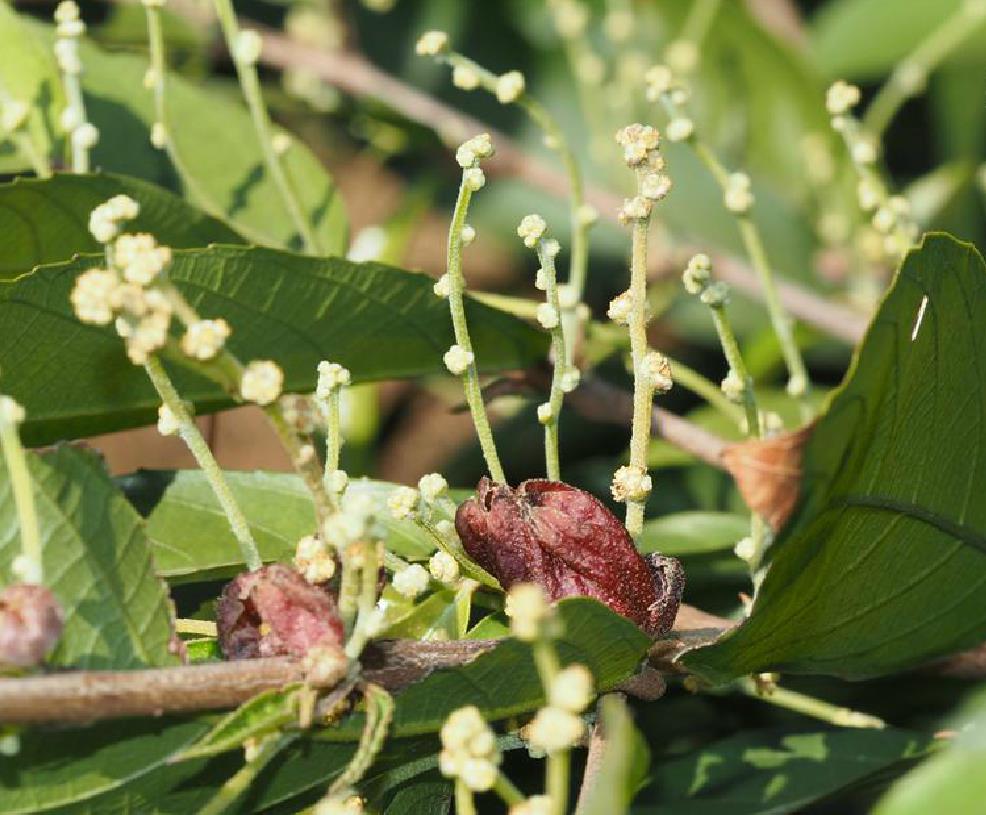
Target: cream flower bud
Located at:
point(457, 359)
point(716, 294)
point(571, 18)
point(465, 77)
point(655, 369)
point(13, 115)
point(527, 607)
point(738, 196)
point(682, 56)
point(635, 209)
point(745, 548)
point(66, 11)
point(11, 413)
point(553, 730)
point(281, 143)
point(733, 386)
point(509, 87)
point(262, 382)
point(432, 486)
point(337, 481)
point(659, 80)
point(532, 229)
point(314, 560)
point(545, 413)
point(620, 308)
point(205, 338)
point(680, 128)
point(570, 380)
point(70, 118)
point(92, 296)
point(535, 805)
point(331, 377)
point(863, 149)
point(696, 275)
point(167, 422)
point(467, 235)
point(85, 136)
point(841, 98)
point(443, 286)
point(403, 502)
point(446, 529)
point(884, 219)
point(159, 136)
point(655, 186)
point(587, 214)
point(247, 47)
point(443, 567)
point(411, 581)
point(474, 179)
point(122, 208)
point(870, 193)
point(571, 689)
point(547, 316)
point(478, 774)
point(541, 280)
point(431, 44)
point(630, 484)
point(140, 258)
point(347, 805)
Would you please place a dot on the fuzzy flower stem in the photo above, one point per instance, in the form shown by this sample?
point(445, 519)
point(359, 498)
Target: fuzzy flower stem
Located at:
point(333, 431)
point(203, 455)
point(470, 377)
point(642, 396)
point(465, 804)
point(579, 257)
point(798, 382)
point(692, 380)
point(909, 76)
point(246, 72)
point(367, 600)
point(236, 786)
point(557, 769)
point(23, 490)
point(730, 347)
point(559, 354)
point(809, 706)
point(507, 790)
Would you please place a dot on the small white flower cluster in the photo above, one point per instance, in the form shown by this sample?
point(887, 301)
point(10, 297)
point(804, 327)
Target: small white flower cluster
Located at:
point(510, 87)
point(205, 338)
point(697, 274)
point(841, 98)
point(314, 559)
point(355, 522)
point(528, 610)
point(69, 29)
point(432, 44)
point(167, 422)
point(620, 308)
point(443, 567)
point(457, 359)
point(738, 195)
point(432, 486)
point(531, 229)
point(715, 295)
point(411, 581)
point(261, 382)
point(630, 484)
point(465, 77)
point(443, 286)
point(655, 372)
point(733, 386)
point(247, 47)
point(345, 804)
point(745, 549)
point(403, 503)
point(469, 751)
point(332, 377)
point(140, 258)
point(641, 151)
point(474, 150)
point(105, 220)
point(570, 17)
point(641, 145)
point(559, 726)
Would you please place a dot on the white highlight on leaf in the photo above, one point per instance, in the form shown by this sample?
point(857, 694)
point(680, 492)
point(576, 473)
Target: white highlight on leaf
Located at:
point(918, 320)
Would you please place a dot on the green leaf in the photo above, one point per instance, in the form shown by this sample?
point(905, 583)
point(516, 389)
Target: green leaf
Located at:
point(47, 220)
point(97, 562)
point(28, 74)
point(504, 682)
point(192, 538)
point(381, 322)
point(772, 773)
point(432, 796)
point(882, 565)
point(443, 614)
point(623, 769)
point(952, 780)
point(222, 164)
point(844, 45)
point(693, 533)
point(263, 714)
point(76, 766)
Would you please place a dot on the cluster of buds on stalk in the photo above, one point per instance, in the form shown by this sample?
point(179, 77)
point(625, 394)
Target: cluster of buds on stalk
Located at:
point(82, 134)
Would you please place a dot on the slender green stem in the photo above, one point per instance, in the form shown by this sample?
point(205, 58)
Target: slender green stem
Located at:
point(642, 394)
point(470, 378)
point(349, 585)
point(736, 363)
point(546, 661)
point(234, 788)
point(203, 455)
point(560, 360)
point(367, 601)
point(810, 706)
point(250, 85)
point(699, 21)
point(23, 490)
point(556, 780)
point(465, 804)
point(692, 380)
point(26, 147)
point(333, 437)
point(379, 714)
point(305, 464)
point(909, 77)
point(507, 791)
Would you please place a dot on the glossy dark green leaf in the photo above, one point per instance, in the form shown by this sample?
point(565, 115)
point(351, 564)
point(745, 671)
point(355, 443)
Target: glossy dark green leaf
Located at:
point(381, 322)
point(772, 773)
point(47, 220)
point(883, 565)
point(97, 562)
point(624, 764)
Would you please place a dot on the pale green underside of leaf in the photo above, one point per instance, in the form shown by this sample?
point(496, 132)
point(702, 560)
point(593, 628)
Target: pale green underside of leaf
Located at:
point(380, 322)
point(97, 562)
point(883, 565)
point(46, 221)
point(624, 765)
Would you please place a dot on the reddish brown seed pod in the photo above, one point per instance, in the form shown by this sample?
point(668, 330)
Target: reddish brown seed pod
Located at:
point(274, 611)
point(565, 540)
point(31, 622)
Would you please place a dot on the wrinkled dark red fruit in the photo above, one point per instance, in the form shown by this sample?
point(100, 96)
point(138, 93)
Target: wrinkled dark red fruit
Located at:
point(30, 624)
point(569, 543)
point(274, 611)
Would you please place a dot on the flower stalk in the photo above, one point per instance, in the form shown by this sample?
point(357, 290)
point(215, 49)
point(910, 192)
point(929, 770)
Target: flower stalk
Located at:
point(81, 133)
point(28, 566)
